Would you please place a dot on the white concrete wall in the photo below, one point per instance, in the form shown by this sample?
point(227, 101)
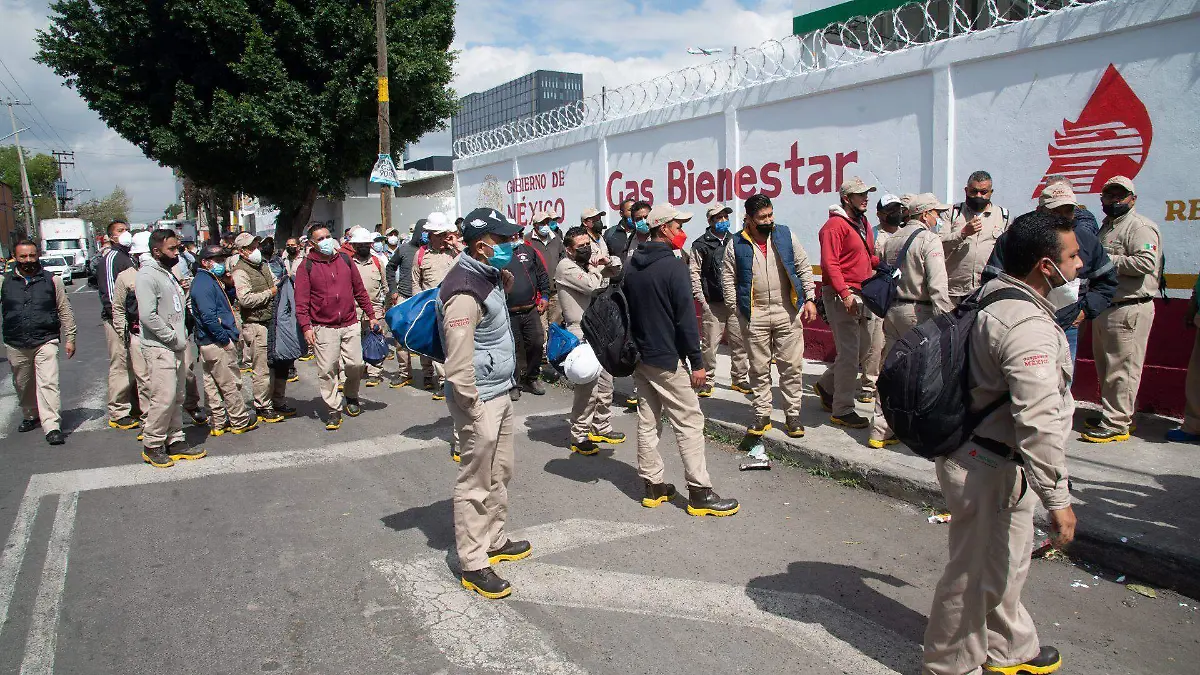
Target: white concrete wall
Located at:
point(912, 121)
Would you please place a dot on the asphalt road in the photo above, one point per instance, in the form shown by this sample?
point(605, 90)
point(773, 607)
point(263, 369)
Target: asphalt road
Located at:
point(296, 550)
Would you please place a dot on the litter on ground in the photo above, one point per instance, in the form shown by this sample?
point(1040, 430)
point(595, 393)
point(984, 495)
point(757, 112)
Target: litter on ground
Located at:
point(939, 518)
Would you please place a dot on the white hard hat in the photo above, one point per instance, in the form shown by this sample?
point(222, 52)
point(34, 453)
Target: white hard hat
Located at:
point(438, 222)
point(361, 235)
point(581, 365)
point(141, 243)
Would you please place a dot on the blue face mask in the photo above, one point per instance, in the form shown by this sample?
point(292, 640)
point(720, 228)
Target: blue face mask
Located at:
point(424, 237)
point(327, 246)
point(544, 230)
point(377, 246)
point(219, 269)
point(721, 226)
point(554, 224)
point(642, 227)
point(501, 255)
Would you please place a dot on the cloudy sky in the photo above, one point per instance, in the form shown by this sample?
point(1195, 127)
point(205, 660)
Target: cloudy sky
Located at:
point(612, 43)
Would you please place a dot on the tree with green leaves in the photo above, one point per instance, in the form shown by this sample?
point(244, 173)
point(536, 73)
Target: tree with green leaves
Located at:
point(275, 99)
point(101, 212)
point(42, 172)
point(172, 212)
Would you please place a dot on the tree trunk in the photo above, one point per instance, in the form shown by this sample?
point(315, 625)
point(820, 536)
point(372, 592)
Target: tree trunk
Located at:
point(295, 221)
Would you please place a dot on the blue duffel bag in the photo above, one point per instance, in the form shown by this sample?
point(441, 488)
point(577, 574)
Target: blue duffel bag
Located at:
point(414, 325)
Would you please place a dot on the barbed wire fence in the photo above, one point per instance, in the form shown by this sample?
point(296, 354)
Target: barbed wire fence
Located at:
point(852, 41)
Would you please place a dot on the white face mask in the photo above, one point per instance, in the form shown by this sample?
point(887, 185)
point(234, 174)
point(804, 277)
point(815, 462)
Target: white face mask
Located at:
point(255, 257)
point(1065, 295)
point(125, 239)
point(393, 240)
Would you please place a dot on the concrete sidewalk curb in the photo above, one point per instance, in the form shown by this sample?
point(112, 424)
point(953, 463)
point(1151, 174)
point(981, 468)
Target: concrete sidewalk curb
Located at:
point(1160, 565)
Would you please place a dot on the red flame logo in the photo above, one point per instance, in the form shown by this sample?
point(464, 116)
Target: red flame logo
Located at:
point(1110, 138)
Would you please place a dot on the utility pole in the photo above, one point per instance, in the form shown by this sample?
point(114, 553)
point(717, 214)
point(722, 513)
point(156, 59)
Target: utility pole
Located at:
point(385, 130)
point(31, 221)
point(61, 193)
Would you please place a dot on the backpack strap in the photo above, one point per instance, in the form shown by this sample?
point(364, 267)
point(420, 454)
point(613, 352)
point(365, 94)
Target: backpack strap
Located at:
point(904, 251)
point(421, 254)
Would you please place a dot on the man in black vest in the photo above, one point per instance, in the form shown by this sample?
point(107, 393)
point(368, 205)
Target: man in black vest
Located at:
point(705, 265)
point(36, 317)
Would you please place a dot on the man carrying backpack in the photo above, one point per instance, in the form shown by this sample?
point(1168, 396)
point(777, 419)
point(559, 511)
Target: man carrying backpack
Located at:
point(580, 276)
point(662, 324)
point(480, 365)
point(916, 251)
point(766, 276)
point(1017, 356)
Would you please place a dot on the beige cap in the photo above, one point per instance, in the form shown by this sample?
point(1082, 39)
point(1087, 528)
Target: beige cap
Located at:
point(1122, 181)
point(542, 216)
point(664, 213)
point(244, 239)
point(718, 210)
point(591, 212)
point(1059, 194)
point(926, 201)
point(855, 186)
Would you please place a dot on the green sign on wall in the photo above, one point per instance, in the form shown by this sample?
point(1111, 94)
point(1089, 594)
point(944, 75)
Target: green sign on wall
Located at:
point(816, 14)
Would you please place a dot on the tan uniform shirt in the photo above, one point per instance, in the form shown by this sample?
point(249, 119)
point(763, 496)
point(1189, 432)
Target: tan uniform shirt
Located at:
point(1017, 348)
point(1134, 244)
point(577, 287)
point(125, 284)
point(694, 262)
point(967, 256)
point(460, 348)
point(371, 272)
point(434, 267)
point(881, 237)
point(923, 270)
point(248, 300)
point(771, 285)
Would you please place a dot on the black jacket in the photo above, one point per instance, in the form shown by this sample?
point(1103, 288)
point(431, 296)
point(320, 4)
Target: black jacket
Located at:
point(29, 310)
point(114, 261)
point(1098, 273)
point(711, 250)
point(662, 313)
point(529, 277)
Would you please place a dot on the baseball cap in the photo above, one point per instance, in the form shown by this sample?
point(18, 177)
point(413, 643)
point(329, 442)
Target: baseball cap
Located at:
point(718, 210)
point(141, 243)
point(542, 216)
point(1054, 196)
point(926, 201)
point(360, 235)
point(591, 212)
point(244, 239)
point(481, 221)
point(438, 222)
point(664, 213)
point(213, 251)
point(855, 186)
point(889, 199)
point(1121, 181)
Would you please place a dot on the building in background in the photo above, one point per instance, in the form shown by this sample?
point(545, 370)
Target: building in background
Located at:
point(431, 163)
point(525, 96)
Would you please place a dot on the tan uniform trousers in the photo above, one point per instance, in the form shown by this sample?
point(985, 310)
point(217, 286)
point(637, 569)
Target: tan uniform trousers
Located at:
point(485, 443)
point(901, 318)
point(222, 388)
point(254, 337)
point(433, 373)
point(141, 370)
point(35, 379)
point(716, 322)
point(871, 355)
point(669, 391)
point(591, 409)
point(191, 388)
point(120, 376)
point(339, 355)
point(1119, 337)
point(164, 415)
point(775, 332)
point(1191, 411)
point(852, 338)
point(977, 615)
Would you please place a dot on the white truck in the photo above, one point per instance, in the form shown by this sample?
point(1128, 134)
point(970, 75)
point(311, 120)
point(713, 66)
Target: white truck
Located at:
point(70, 238)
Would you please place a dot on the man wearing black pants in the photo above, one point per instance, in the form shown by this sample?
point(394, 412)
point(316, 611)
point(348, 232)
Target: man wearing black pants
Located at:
point(527, 299)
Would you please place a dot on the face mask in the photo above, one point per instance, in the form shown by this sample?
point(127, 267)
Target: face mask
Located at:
point(544, 230)
point(765, 229)
point(1065, 294)
point(29, 269)
point(678, 240)
point(424, 237)
point(362, 250)
point(377, 246)
point(219, 269)
point(255, 257)
point(292, 251)
point(393, 240)
point(554, 225)
point(893, 219)
point(125, 239)
point(642, 227)
point(583, 255)
point(721, 226)
point(501, 255)
point(327, 246)
point(978, 204)
point(1116, 209)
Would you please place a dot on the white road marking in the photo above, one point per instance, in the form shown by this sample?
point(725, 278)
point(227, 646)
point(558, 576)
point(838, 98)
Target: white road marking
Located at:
point(81, 289)
point(476, 633)
point(42, 639)
point(14, 549)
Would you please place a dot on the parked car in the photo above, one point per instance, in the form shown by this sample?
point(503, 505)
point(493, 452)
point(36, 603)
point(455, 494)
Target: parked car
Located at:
point(59, 266)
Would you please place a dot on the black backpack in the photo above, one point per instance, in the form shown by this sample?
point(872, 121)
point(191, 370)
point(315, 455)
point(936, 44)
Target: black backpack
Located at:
point(879, 292)
point(923, 387)
point(606, 326)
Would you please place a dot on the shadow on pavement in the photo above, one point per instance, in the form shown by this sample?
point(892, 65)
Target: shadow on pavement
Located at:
point(599, 467)
point(74, 418)
point(435, 521)
point(846, 586)
point(441, 428)
point(1164, 514)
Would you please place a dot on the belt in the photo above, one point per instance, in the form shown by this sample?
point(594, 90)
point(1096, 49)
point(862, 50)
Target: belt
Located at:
point(1132, 301)
point(522, 310)
point(998, 448)
point(906, 301)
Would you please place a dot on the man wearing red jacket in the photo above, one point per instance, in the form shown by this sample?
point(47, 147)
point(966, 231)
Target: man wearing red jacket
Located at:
point(327, 288)
point(847, 260)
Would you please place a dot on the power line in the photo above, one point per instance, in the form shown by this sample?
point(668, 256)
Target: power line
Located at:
point(33, 103)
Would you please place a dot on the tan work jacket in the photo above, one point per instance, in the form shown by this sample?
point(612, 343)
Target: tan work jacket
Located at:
point(967, 256)
point(1134, 245)
point(923, 270)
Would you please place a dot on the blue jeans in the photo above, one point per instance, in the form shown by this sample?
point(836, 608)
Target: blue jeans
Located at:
point(1072, 340)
